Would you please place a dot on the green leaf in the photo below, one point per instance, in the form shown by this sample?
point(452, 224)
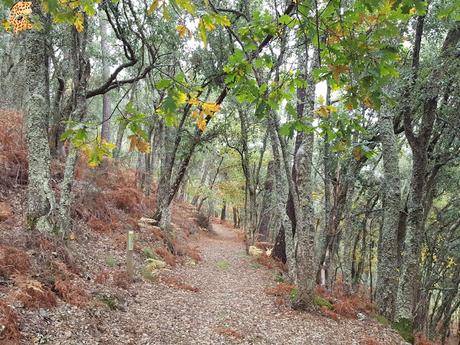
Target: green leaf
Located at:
point(163, 84)
point(169, 105)
point(170, 120)
point(284, 19)
point(187, 6)
point(261, 110)
point(202, 32)
point(287, 129)
point(67, 134)
point(52, 5)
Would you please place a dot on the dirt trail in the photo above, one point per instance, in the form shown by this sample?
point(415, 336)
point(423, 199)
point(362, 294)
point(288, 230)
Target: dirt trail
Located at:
point(230, 307)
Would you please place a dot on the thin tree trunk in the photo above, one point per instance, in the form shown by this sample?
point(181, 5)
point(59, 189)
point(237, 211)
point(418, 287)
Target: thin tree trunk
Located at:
point(387, 269)
point(348, 240)
point(223, 212)
point(106, 107)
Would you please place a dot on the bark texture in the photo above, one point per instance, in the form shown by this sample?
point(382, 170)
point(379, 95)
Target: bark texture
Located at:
point(41, 201)
point(387, 268)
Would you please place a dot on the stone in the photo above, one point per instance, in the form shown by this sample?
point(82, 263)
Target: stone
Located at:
point(254, 251)
point(361, 316)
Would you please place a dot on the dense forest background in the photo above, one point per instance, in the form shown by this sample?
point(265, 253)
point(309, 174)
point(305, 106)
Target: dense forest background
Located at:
point(327, 128)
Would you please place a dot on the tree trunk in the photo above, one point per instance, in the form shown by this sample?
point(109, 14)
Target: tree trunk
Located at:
point(348, 240)
point(267, 203)
point(165, 178)
point(223, 212)
point(106, 107)
point(387, 268)
point(81, 68)
point(203, 178)
point(303, 220)
point(41, 201)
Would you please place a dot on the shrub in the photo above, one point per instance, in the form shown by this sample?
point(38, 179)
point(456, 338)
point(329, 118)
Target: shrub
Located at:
point(34, 294)
point(422, 340)
point(229, 332)
point(266, 261)
point(369, 341)
point(109, 300)
point(121, 279)
point(294, 295)
point(346, 308)
point(193, 253)
point(322, 302)
point(13, 152)
point(278, 277)
point(176, 283)
point(13, 261)
point(185, 250)
point(102, 277)
point(71, 293)
point(203, 221)
point(405, 329)
point(329, 313)
point(166, 255)
point(280, 290)
point(147, 253)
point(263, 245)
point(8, 319)
point(382, 319)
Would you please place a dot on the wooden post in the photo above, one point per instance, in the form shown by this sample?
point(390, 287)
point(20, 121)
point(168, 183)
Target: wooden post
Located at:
point(129, 255)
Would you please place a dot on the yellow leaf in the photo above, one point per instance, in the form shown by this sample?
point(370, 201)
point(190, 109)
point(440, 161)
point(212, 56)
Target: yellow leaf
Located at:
point(6, 25)
point(322, 111)
point(153, 6)
point(357, 153)
point(201, 124)
point(321, 100)
point(86, 149)
point(143, 146)
point(78, 22)
point(132, 142)
point(210, 108)
point(136, 143)
point(182, 31)
point(194, 101)
point(72, 236)
point(225, 21)
point(209, 26)
point(181, 98)
point(450, 262)
point(93, 164)
point(368, 103)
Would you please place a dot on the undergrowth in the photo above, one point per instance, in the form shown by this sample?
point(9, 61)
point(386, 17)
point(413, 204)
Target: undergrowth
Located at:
point(229, 332)
point(13, 151)
point(10, 325)
point(177, 283)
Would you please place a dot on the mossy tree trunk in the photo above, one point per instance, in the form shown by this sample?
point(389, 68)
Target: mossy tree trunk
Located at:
point(41, 201)
point(419, 131)
point(387, 269)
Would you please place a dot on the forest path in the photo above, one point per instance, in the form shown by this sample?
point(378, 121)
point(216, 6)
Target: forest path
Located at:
point(231, 306)
point(221, 300)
